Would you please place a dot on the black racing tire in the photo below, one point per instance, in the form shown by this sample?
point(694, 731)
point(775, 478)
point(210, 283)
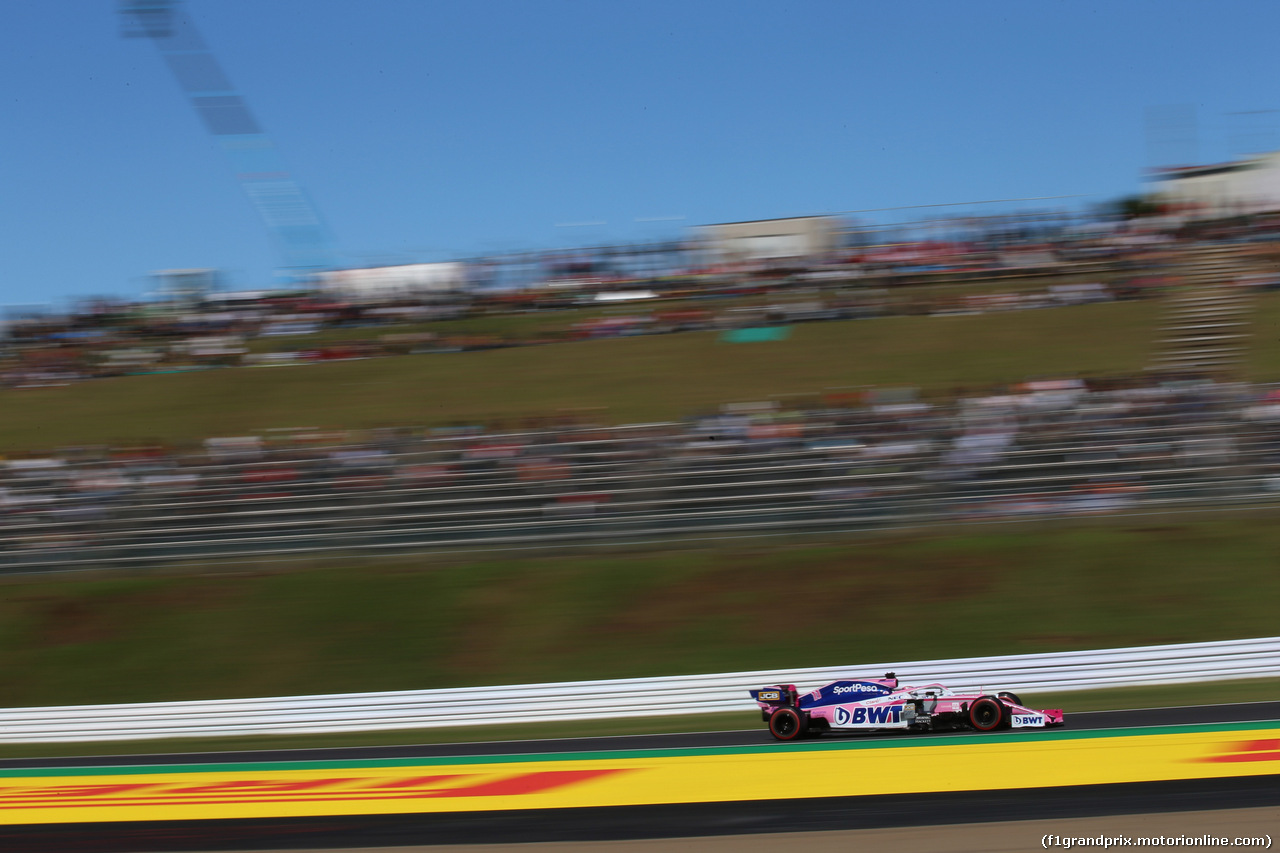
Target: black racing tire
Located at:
point(986, 714)
point(787, 723)
point(1011, 698)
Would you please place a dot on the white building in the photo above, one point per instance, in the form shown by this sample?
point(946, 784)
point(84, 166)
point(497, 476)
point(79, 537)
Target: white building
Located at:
point(1251, 185)
point(376, 284)
point(185, 285)
point(770, 239)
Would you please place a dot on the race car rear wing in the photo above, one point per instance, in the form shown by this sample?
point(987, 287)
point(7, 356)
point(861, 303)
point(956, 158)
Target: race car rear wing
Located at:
point(778, 694)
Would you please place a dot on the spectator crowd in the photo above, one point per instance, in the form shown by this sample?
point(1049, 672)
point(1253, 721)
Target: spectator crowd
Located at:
point(877, 458)
point(104, 337)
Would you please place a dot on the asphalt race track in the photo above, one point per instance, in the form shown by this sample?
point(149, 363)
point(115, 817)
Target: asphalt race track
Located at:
point(781, 802)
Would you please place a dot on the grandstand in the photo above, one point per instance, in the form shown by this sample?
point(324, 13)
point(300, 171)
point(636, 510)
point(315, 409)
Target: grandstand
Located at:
point(1189, 432)
point(1051, 449)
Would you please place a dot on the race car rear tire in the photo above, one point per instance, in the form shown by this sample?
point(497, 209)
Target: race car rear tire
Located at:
point(787, 723)
point(986, 714)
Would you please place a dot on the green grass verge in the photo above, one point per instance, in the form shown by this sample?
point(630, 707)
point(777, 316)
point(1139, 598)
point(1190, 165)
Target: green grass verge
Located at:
point(422, 622)
point(624, 380)
point(1074, 702)
point(1263, 363)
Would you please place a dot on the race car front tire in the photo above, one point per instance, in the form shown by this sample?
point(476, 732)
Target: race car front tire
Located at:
point(987, 713)
point(1011, 698)
point(787, 723)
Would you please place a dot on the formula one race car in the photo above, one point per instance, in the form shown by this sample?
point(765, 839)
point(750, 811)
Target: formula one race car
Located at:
point(874, 704)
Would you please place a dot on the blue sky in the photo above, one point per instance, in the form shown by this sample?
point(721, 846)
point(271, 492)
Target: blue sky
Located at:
point(430, 130)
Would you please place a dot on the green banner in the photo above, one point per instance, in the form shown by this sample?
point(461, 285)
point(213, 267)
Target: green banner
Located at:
point(756, 334)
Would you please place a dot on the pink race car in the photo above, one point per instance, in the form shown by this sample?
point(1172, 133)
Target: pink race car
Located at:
point(873, 704)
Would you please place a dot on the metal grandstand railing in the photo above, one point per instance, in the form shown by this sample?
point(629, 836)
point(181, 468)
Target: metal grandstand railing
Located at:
point(857, 469)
